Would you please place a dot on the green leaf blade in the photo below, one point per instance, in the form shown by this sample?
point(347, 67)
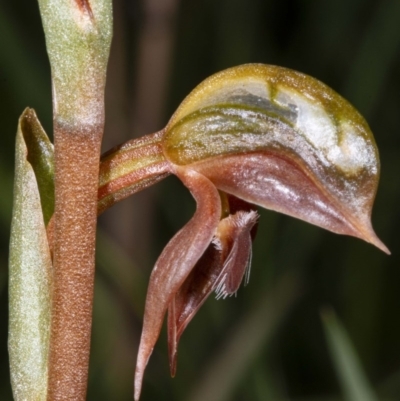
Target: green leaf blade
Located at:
point(29, 283)
point(354, 383)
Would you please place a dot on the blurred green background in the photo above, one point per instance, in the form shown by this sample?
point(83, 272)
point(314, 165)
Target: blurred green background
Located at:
point(269, 343)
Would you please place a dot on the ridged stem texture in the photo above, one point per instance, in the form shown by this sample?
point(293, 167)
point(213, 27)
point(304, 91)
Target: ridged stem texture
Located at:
point(78, 35)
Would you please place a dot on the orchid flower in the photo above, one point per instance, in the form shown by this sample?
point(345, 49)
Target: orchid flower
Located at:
point(250, 135)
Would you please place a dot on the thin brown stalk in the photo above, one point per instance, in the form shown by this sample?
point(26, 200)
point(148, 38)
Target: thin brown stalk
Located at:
point(78, 36)
point(76, 165)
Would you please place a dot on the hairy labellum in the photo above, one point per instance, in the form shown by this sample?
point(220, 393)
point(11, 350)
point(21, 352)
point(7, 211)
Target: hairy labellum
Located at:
point(221, 268)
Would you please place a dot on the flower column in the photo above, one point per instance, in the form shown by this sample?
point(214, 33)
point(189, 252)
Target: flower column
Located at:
point(78, 35)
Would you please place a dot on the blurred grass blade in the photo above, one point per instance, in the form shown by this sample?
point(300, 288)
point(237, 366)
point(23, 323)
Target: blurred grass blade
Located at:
point(252, 333)
point(121, 272)
point(6, 197)
point(378, 51)
point(29, 278)
point(352, 378)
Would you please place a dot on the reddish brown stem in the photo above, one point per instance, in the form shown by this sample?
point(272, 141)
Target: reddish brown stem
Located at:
point(76, 179)
point(125, 170)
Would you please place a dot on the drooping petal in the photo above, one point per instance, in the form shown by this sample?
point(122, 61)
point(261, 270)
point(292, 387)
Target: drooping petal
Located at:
point(191, 296)
point(176, 261)
point(221, 268)
point(283, 132)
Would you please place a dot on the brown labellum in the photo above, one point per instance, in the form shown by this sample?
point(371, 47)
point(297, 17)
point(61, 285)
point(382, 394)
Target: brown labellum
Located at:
point(221, 269)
